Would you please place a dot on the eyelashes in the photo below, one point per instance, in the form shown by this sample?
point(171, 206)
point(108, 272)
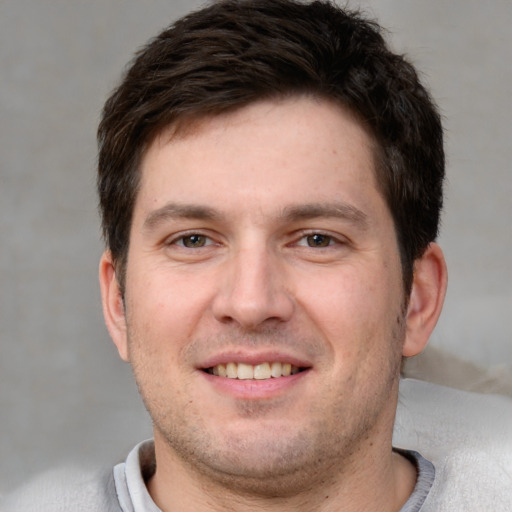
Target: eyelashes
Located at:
point(194, 241)
point(317, 240)
point(311, 239)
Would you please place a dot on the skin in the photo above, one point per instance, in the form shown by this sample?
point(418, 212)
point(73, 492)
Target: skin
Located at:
point(260, 235)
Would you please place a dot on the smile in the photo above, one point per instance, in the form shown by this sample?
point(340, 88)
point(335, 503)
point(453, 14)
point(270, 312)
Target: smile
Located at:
point(263, 371)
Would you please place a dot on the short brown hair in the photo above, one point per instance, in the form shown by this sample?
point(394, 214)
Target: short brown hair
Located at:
point(235, 52)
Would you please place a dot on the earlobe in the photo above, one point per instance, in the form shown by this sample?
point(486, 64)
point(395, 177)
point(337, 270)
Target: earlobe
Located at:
point(426, 300)
point(113, 307)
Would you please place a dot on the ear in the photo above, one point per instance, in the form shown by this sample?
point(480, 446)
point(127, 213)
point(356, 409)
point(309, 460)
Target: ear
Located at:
point(113, 307)
point(426, 300)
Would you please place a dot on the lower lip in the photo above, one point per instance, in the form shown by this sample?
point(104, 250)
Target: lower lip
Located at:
point(252, 389)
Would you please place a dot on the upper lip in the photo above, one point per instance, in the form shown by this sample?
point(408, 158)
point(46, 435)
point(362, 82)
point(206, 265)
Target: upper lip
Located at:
point(253, 358)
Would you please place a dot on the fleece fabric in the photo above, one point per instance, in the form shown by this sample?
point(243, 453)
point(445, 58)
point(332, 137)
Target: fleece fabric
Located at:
point(467, 436)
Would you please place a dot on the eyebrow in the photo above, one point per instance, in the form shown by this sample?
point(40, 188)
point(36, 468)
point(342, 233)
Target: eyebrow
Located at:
point(338, 210)
point(179, 211)
point(293, 213)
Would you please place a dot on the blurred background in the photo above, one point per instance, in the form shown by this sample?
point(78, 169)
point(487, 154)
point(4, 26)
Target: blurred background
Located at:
point(64, 394)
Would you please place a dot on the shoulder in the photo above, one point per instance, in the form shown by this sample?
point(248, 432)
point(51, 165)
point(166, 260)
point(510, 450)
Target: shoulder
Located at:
point(467, 436)
point(440, 418)
point(66, 489)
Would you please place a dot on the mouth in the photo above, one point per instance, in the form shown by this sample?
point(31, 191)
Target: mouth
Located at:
point(262, 371)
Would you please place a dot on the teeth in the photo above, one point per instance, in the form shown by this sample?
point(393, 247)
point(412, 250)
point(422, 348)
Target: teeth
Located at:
point(276, 370)
point(245, 371)
point(222, 370)
point(261, 371)
point(232, 371)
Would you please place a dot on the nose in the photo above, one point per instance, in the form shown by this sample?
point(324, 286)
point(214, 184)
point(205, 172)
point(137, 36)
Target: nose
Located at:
point(252, 291)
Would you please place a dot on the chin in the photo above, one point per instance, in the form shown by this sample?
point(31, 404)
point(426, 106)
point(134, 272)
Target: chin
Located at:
point(270, 460)
point(261, 467)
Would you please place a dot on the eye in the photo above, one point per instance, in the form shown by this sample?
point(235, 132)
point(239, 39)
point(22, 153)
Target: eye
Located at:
point(316, 240)
point(193, 241)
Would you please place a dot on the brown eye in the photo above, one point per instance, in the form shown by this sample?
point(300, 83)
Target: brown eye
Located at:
point(194, 241)
point(318, 240)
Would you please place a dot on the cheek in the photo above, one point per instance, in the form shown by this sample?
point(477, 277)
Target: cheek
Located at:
point(354, 307)
point(170, 302)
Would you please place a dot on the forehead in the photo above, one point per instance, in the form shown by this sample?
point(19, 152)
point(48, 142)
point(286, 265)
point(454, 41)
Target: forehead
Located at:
point(275, 151)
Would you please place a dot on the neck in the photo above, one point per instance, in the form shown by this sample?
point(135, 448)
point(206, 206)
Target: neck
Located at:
point(379, 480)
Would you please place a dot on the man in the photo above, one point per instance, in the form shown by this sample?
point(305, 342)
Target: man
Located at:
point(270, 180)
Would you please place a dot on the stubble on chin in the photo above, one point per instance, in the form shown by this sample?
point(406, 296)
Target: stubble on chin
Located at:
point(258, 462)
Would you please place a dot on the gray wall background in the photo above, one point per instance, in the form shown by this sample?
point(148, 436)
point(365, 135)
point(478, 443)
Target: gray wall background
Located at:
point(64, 395)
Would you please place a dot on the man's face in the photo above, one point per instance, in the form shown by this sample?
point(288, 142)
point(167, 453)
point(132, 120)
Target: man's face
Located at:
point(261, 246)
